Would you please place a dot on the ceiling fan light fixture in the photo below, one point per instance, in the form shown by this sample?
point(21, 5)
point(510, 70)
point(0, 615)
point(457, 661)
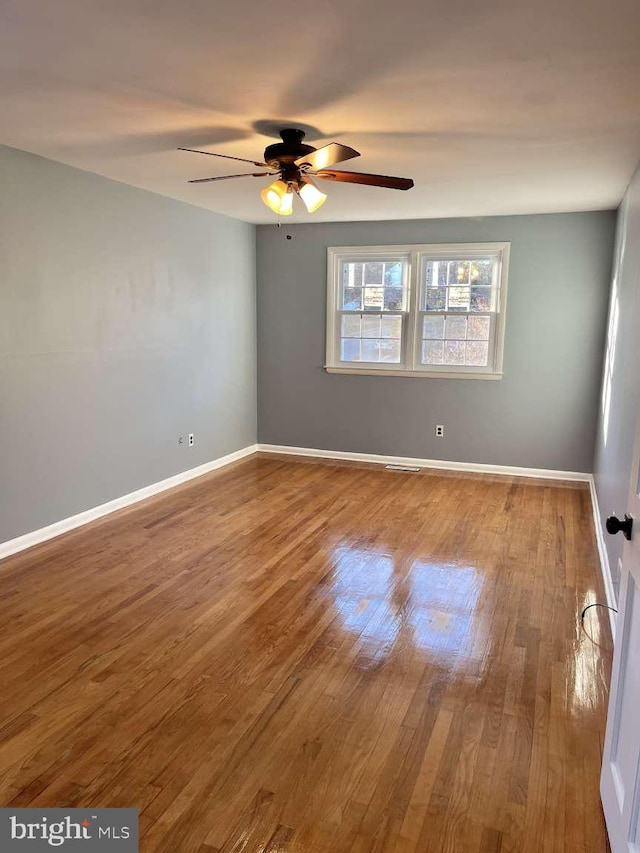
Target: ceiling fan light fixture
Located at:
point(312, 197)
point(278, 196)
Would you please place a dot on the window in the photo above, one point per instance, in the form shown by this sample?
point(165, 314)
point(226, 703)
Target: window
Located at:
point(433, 310)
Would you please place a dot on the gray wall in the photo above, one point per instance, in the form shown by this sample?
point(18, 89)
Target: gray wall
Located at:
point(542, 414)
point(620, 396)
point(126, 319)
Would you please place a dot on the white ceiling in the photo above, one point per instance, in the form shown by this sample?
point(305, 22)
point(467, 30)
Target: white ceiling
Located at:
point(496, 107)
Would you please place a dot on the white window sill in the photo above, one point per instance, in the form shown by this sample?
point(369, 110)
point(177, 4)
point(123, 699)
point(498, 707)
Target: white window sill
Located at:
point(424, 374)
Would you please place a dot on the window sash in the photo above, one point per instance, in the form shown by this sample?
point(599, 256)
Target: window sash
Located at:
point(376, 365)
point(489, 367)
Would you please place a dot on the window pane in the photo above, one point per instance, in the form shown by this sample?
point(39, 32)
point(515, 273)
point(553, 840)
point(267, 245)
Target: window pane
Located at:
point(352, 299)
point(481, 272)
point(459, 272)
point(453, 352)
point(433, 327)
point(478, 328)
point(477, 354)
point(456, 328)
point(436, 273)
point(393, 299)
point(350, 349)
point(371, 326)
point(373, 272)
point(391, 327)
point(432, 352)
point(351, 326)
point(459, 298)
point(373, 298)
point(430, 272)
point(436, 299)
point(481, 299)
point(393, 274)
point(352, 275)
point(390, 351)
point(370, 350)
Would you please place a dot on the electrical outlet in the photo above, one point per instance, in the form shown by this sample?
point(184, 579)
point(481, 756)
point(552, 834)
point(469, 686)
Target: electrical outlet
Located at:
point(191, 440)
point(439, 430)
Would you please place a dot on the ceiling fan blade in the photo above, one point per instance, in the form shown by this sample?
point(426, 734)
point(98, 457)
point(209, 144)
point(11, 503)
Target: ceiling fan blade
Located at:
point(226, 177)
point(362, 178)
point(226, 156)
point(329, 154)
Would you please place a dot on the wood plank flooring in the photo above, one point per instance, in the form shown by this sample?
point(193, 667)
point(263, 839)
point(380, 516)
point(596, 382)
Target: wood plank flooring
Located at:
point(292, 655)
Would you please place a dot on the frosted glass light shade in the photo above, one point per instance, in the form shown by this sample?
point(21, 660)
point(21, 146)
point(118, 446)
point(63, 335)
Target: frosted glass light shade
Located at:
point(312, 197)
point(278, 197)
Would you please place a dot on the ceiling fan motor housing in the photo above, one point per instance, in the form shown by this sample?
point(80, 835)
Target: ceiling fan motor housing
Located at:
point(283, 154)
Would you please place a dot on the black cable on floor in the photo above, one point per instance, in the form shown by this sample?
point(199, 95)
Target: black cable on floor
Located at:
point(596, 604)
point(582, 625)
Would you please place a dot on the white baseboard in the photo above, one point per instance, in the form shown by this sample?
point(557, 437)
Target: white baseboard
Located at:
point(471, 467)
point(66, 524)
point(605, 568)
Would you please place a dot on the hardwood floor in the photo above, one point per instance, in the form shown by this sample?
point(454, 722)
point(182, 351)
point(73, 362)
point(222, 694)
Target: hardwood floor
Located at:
point(288, 655)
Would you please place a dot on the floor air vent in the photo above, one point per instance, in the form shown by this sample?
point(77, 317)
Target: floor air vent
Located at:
point(407, 468)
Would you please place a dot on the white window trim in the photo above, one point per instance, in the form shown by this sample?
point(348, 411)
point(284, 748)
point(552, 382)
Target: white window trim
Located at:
point(415, 254)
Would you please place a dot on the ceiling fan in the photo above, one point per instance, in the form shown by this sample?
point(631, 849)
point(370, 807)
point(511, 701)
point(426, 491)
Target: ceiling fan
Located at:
point(296, 164)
